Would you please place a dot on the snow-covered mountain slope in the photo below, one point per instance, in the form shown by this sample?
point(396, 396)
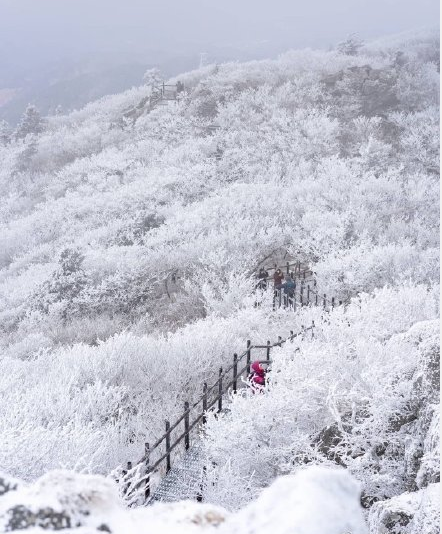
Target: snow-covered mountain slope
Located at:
point(128, 249)
point(330, 156)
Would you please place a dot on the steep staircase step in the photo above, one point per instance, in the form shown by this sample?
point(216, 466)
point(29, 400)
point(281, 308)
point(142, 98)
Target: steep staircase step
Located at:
point(185, 478)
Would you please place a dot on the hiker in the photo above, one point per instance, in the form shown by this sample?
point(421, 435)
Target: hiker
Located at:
point(262, 276)
point(257, 377)
point(289, 286)
point(278, 277)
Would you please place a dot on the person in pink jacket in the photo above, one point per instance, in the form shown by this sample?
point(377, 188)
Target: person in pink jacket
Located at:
point(257, 377)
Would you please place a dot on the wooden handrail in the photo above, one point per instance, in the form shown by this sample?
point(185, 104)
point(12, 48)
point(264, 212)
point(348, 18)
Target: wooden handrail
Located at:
point(221, 386)
point(208, 405)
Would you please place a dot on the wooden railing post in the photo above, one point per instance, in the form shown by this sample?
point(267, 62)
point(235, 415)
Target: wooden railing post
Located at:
point(313, 329)
point(186, 426)
point(325, 301)
point(147, 486)
point(333, 302)
point(288, 268)
point(279, 341)
point(127, 486)
point(220, 390)
point(204, 403)
point(308, 293)
point(168, 464)
point(249, 356)
point(268, 351)
point(301, 293)
point(235, 371)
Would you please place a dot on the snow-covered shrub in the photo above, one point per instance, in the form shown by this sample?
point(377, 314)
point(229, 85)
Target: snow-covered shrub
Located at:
point(360, 394)
point(105, 400)
point(325, 154)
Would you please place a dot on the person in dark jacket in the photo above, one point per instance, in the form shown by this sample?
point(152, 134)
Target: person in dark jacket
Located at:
point(257, 377)
point(262, 276)
point(278, 277)
point(289, 290)
point(289, 286)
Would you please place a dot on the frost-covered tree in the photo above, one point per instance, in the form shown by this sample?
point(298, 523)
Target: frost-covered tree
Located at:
point(65, 284)
point(5, 132)
point(351, 45)
point(30, 123)
point(152, 77)
point(25, 157)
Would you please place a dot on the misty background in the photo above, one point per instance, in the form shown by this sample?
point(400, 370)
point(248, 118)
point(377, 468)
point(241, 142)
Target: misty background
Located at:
point(68, 52)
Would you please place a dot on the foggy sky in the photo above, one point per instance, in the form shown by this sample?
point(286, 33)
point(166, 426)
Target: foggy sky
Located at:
point(32, 31)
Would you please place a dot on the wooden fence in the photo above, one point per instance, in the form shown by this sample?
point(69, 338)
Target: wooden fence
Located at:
point(304, 291)
point(137, 477)
point(303, 294)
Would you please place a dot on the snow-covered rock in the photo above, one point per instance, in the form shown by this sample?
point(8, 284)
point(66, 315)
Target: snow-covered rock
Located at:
point(427, 517)
point(409, 513)
point(59, 500)
point(317, 500)
point(429, 469)
point(422, 444)
point(8, 483)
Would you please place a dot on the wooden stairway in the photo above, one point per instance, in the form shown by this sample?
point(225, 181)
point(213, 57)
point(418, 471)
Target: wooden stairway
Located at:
point(161, 94)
